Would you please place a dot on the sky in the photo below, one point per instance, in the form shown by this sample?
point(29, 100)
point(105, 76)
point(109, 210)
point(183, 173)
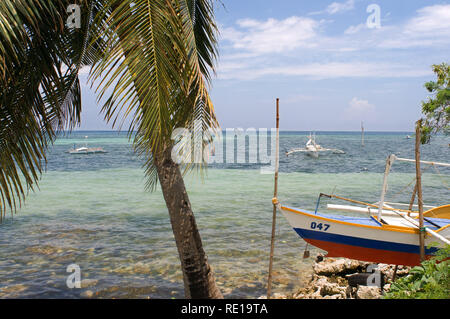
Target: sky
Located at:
point(332, 64)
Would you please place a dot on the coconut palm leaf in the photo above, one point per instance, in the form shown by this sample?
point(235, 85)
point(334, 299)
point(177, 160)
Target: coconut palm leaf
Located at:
point(159, 62)
point(40, 89)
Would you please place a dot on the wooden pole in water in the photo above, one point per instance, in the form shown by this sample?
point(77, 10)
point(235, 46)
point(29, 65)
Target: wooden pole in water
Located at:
point(362, 133)
point(419, 191)
point(275, 193)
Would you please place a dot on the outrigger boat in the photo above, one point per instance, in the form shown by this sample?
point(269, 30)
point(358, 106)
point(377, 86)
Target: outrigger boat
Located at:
point(312, 148)
point(386, 235)
point(85, 149)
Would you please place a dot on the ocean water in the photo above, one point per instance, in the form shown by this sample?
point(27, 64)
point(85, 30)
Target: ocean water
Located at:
point(94, 211)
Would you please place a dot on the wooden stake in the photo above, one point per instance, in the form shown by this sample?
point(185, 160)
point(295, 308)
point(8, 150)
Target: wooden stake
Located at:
point(419, 192)
point(274, 215)
point(362, 134)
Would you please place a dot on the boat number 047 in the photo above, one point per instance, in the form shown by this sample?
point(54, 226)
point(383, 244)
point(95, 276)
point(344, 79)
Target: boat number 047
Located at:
point(320, 226)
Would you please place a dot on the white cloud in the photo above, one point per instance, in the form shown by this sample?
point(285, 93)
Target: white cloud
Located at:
point(430, 20)
point(336, 7)
point(272, 35)
point(355, 28)
point(429, 28)
point(330, 70)
point(299, 47)
point(359, 108)
point(339, 7)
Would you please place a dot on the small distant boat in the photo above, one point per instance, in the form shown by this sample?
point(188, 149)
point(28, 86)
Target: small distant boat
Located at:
point(86, 150)
point(312, 148)
point(408, 137)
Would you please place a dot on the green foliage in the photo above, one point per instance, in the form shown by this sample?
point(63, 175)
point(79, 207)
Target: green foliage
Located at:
point(430, 280)
point(155, 57)
point(39, 88)
point(437, 107)
point(157, 71)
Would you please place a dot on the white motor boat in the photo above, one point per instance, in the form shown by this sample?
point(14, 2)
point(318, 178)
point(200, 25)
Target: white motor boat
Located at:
point(312, 148)
point(86, 150)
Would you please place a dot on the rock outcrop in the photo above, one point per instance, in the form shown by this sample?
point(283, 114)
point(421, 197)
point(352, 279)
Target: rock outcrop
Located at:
point(330, 280)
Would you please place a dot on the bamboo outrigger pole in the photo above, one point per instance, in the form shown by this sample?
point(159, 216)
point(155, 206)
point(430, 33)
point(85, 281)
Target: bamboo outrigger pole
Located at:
point(413, 197)
point(419, 191)
point(275, 193)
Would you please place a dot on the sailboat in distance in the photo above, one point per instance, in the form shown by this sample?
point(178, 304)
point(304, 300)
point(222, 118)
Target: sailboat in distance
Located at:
point(313, 149)
point(85, 149)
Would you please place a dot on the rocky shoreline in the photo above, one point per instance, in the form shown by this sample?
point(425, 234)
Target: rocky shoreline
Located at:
point(342, 278)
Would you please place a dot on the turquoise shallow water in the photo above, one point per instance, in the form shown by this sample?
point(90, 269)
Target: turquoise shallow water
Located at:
point(94, 211)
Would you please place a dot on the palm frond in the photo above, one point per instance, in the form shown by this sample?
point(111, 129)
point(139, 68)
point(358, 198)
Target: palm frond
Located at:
point(40, 90)
point(158, 64)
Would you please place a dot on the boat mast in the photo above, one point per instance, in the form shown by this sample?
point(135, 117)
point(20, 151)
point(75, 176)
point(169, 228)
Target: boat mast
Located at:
point(389, 161)
point(275, 194)
point(419, 191)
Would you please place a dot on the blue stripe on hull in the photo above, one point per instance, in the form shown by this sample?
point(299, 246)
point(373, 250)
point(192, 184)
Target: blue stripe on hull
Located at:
point(361, 242)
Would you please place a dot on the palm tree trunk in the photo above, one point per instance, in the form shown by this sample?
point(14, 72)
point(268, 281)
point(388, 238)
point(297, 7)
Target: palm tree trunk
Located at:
point(199, 281)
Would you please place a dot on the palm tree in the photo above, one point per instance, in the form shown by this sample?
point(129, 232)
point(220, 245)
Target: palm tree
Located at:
point(155, 55)
point(39, 89)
